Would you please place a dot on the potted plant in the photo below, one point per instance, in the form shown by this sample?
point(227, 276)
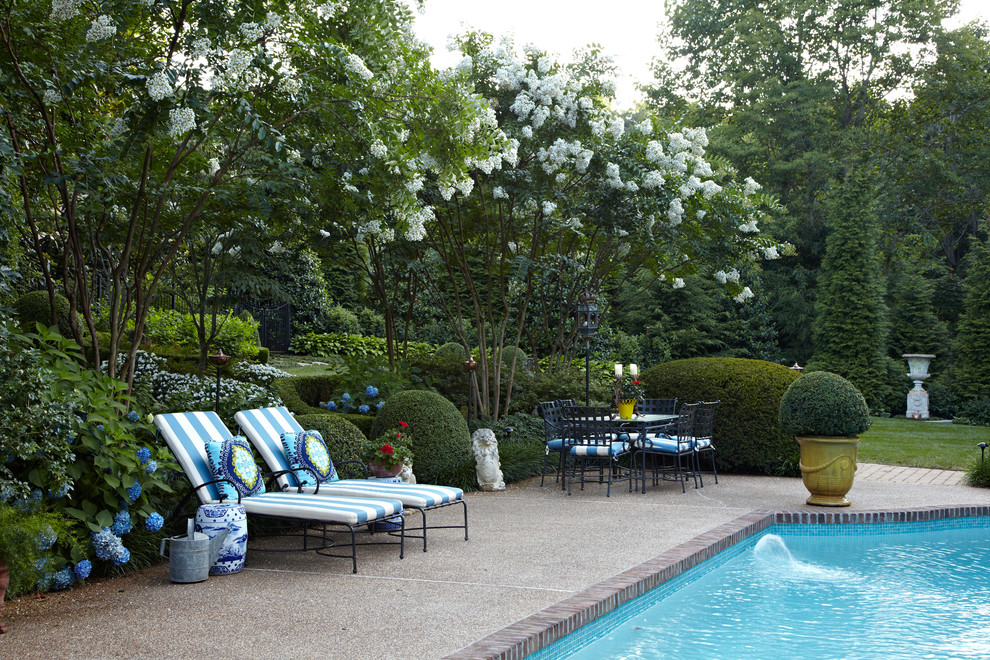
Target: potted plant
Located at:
point(628, 390)
point(391, 450)
point(826, 413)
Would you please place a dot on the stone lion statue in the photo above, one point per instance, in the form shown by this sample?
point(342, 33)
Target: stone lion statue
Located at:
point(406, 473)
point(484, 444)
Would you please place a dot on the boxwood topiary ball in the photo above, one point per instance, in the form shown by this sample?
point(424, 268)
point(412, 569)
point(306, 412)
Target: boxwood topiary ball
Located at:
point(823, 403)
point(441, 442)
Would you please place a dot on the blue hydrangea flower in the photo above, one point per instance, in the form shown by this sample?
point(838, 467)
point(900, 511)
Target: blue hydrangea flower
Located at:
point(372, 391)
point(133, 416)
point(363, 409)
point(151, 467)
point(154, 522)
point(143, 454)
point(46, 539)
point(29, 503)
point(123, 558)
point(83, 569)
point(63, 579)
point(99, 427)
point(331, 405)
point(345, 397)
point(62, 491)
point(109, 547)
point(121, 523)
point(380, 404)
point(134, 492)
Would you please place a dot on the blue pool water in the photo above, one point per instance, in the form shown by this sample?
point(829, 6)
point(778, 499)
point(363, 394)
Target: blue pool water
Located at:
point(888, 590)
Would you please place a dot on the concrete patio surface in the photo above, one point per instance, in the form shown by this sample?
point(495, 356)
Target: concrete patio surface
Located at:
point(530, 547)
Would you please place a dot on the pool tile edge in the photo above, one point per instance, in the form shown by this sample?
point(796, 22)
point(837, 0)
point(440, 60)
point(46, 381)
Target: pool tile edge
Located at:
point(529, 635)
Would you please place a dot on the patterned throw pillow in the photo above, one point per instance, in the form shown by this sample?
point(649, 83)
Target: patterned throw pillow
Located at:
point(308, 450)
point(232, 459)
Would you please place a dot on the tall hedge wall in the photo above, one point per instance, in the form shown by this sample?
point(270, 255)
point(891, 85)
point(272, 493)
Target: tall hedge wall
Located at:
point(747, 434)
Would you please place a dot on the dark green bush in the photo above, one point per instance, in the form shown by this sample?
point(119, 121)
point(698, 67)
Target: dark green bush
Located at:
point(372, 323)
point(33, 308)
point(442, 446)
point(747, 434)
point(362, 422)
point(974, 413)
point(263, 355)
point(941, 399)
point(343, 439)
point(26, 562)
point(342, 321)
point(304, 394)
point(823, 403)
point(451, 351)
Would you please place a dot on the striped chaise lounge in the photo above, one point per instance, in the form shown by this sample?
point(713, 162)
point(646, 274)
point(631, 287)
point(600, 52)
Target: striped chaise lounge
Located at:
point(187, 434)
point(264, 428)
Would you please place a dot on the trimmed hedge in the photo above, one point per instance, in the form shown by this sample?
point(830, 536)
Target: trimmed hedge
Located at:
point(441, 442)
point(823, 403)
point(747, 434)
point(33, 308)
point(343, 439)
point(303, 394)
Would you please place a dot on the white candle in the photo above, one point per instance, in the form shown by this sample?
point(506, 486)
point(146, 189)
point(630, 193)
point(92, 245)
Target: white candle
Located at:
point(633, 370)
point(618, 370)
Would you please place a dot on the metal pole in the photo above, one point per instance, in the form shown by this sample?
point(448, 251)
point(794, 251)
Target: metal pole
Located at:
point(218, 391)
point(470, 399)
point(587, 374)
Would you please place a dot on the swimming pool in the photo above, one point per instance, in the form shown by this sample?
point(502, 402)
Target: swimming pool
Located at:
point(903, 589)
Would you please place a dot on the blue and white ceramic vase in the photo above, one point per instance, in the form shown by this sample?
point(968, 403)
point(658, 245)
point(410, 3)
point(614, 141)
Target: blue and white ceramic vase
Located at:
point(211, 519)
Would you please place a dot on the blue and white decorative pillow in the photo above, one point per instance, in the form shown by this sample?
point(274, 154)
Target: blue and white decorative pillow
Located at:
point(232, 459)
point(308, 450)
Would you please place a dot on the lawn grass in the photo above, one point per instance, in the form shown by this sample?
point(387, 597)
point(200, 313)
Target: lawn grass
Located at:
point(898, 441)
point(305, 365)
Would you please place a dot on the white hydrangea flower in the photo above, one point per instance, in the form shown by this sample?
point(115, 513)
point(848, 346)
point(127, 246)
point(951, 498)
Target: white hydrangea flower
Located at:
point(653, 180)
point(181, 121)
point(159, 86)
point(356, 66)
point(597, 128)
point(743, 295)
point(415, 184)
point(51, 97)
point(465, 186)
point(499, 193)
point(678, 283)
point(549, 208)
point(654, 151)
point(252, 31)
point(63, 10)
point(540, 115)
point(543, 64)
point(527, 132)
point(751, 186)
point(102, 28)
point(378, 149)
point(678, 143)
point(709, 189)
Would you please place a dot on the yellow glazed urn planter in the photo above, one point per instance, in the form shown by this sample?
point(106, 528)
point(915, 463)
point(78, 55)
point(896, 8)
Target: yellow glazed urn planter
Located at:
point(626, 408)
point(828, 465)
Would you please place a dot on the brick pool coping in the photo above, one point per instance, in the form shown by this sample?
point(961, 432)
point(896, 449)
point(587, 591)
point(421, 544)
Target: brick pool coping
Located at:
point(529, 635)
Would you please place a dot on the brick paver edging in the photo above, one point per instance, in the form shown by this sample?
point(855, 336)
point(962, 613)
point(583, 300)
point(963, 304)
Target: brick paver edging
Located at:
point(529, 635)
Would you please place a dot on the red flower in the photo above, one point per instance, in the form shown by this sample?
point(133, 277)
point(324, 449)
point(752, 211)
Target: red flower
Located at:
point(403, 425)
point(636, 382)
point(387, 449)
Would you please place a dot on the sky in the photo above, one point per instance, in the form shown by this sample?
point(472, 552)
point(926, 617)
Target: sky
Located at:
point(626, 29)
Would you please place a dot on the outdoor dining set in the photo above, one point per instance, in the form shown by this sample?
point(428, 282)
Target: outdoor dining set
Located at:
point(661, 441)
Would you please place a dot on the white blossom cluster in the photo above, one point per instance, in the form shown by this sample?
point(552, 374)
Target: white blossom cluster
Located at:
point(252, 31)
point(51, 96)
point(357, 68)
point(159, 86)
point(730, 276)
point(102, 28)
point(378, 149)
point(180, 122)
point(743, 295)
point(771, 253)
point(63, 10)
point(749, 227)
point(751, 186)
point(678, 283)
point(259, 374)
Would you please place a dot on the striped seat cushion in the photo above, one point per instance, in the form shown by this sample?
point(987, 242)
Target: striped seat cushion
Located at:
point(665, 444)
point(613, 449)
point(558, 445)
point(349, 510)
point(416, 495)
point(701, 443)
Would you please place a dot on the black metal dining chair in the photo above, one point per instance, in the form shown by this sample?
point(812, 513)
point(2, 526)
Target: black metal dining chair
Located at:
point(657, 406)
point(553, 436)
point(704, 421)
point(671, 448)
point(594, 446)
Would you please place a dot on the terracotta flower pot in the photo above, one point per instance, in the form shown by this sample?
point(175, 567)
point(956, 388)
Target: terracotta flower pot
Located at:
point(382, 472)
point(828, 465)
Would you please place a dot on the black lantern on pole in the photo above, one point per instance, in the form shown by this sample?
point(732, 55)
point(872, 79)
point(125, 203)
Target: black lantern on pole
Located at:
point(587, 324)
point(219, 360)
point(470, 365)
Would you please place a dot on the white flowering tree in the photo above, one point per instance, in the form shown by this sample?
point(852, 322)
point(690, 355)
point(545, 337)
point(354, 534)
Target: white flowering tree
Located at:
point(575, 195)
point(125, 121)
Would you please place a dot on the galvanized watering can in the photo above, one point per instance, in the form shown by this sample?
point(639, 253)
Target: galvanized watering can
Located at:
point(190, 556)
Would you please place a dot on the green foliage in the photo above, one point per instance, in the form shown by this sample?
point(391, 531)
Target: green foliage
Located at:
point(172, 330)
point(303, 394)
point(19, 547)
point(975, 412)
point(342, 321)
point(442, 445)
point(849, 333)
point(823, 403)
point(941, 399)
point(343, 439)
point(971, 369)
point(978, 474)
point(301, 278)
point(748, 436)
point(33, 307)
point(351, 346)
point(372, 323)
point(521, 452)
point(452, 351)
point(263, 355)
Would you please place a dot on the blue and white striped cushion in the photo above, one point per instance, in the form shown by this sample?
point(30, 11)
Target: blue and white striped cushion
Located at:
point(263, 426)
point(665, 444)
point(701, 443)
point(613, 449)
